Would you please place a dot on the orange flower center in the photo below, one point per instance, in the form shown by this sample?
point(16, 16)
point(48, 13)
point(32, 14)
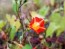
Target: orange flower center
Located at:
point(36, 26)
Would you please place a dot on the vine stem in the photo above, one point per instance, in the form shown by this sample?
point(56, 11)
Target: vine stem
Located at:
point(18, 9)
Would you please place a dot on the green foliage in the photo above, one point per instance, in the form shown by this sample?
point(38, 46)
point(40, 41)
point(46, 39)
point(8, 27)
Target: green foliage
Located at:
point(44, 10)
point(54, 24)
point(2, 24)
point(57, 23)
point(62, 26)
point(12, 32)
point(63, 22)
point(15, 5)
point(27, 46)
point(50, 30)
point(55, 17)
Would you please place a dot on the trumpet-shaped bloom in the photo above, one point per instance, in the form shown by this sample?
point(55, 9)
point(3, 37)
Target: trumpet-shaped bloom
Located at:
point(37, 24)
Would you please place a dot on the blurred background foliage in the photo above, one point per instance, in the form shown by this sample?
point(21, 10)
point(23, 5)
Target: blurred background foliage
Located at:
point(52, 11)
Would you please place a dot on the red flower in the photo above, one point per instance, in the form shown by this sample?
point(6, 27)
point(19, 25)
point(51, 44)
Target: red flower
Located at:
point(37, 24)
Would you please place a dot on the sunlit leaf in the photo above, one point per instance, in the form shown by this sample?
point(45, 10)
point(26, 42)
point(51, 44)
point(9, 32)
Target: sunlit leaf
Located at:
point(44, 10)
point(10, 19)
point(13, 21)
point(60, 21)
point(50, 30)
point(2, 24)
point(34, 14)
point(17, 24)
point(27, 46)
point(55, 17)
point(63, 22)
point(62, 26)
point(59, 31)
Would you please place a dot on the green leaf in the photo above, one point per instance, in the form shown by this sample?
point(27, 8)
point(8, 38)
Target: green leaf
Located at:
point(14, 8)
point(62, 23)
point(2, 24)
point(59, 31)
point(12, 32)
point(27, 46)
point(55, 17)
point(44, 10)
point(52, 27)
point(62, 26)
point(15, 5)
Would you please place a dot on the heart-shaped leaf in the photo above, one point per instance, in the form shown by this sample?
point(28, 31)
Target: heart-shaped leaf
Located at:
point(44, 10)
point(11, 20)
point(50, 30)
point(62, 26)
point(55, 17)
point(35, 14)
